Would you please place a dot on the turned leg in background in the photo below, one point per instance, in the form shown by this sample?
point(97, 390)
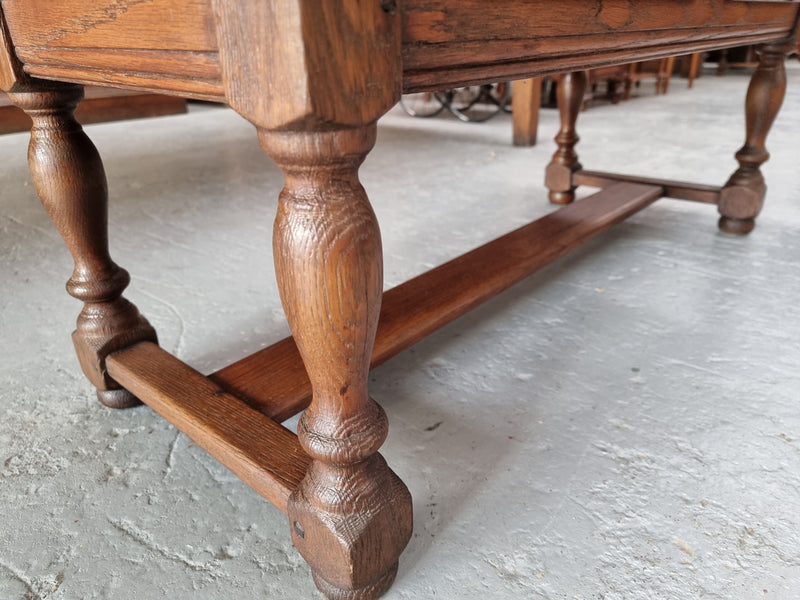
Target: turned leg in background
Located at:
point(743, 195)
point(69, 178)
point(558, 176)
point(351, 517)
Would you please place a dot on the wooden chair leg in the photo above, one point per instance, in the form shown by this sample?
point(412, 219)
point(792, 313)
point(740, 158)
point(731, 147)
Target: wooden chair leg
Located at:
point(526, 100)
point(69, 178)
point(665, 68)
point(629, 80)
point(558, 176)
point(351, 516)
point(722, 65)
point(694, 67)
point(742, 196)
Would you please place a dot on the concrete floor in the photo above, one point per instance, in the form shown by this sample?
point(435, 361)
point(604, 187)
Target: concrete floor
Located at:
point(624, 425)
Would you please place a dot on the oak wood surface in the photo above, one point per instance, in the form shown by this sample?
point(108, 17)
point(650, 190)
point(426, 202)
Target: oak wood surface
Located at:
point(174, 43)
point(274, 381)
point(318, 57)
point(441, 38)
point(70, 180)
point(314, 76)
point(167, 45)
point(351, 516)
point(262, 453)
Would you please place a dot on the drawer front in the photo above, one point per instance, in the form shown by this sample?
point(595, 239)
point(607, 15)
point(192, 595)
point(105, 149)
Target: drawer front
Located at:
point(447, 42)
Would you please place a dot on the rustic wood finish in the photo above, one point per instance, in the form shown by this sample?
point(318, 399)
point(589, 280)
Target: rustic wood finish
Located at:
point(71, 183)
point(558, 176)
point(743, 196)
point(351, 515)
point(325, 220)
point(314, 76)
point(162, 45)
point(441, 38)
point(259, 451)
point(171, 45)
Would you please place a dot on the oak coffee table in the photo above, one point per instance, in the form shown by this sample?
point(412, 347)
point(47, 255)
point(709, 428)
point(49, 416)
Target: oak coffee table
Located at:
point(314, 76)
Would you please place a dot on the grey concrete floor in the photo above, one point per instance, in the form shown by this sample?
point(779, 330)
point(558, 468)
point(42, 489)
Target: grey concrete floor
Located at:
point(623, 425)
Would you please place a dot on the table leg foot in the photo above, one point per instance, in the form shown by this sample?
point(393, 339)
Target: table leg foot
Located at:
point(117, 398)
point(742, 197)
point(736, 226)
point(558, 176)
point(352, 543)
point(561, 197)
point(367, 593)
point(351, 516)
point(70, 180)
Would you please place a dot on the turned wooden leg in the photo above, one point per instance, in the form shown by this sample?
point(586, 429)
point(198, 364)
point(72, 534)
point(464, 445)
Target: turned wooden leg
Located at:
point(351, 516)
point(743, 195)
point(558, 177)
point(69, 177)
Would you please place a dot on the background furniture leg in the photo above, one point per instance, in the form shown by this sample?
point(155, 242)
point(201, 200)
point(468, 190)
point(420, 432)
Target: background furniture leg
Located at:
point(526, 100)
point(632, 68)
point(694, 67)
point(70, 180)
point(742, 196)
point(351, 516)
point(665, 68)
point(558, 176)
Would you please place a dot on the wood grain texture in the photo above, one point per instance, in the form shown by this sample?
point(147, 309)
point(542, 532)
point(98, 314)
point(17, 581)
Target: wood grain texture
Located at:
point(538, 37)
point(742, 197)
point(274, 381)
point(351, 516)
point(174, 44)
point(186, 74)
point(103, 24)
point(314, 76)
point(262, 453)
point(444, 21)
point(158, 45)
point(328, 63)
point(70, 180)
